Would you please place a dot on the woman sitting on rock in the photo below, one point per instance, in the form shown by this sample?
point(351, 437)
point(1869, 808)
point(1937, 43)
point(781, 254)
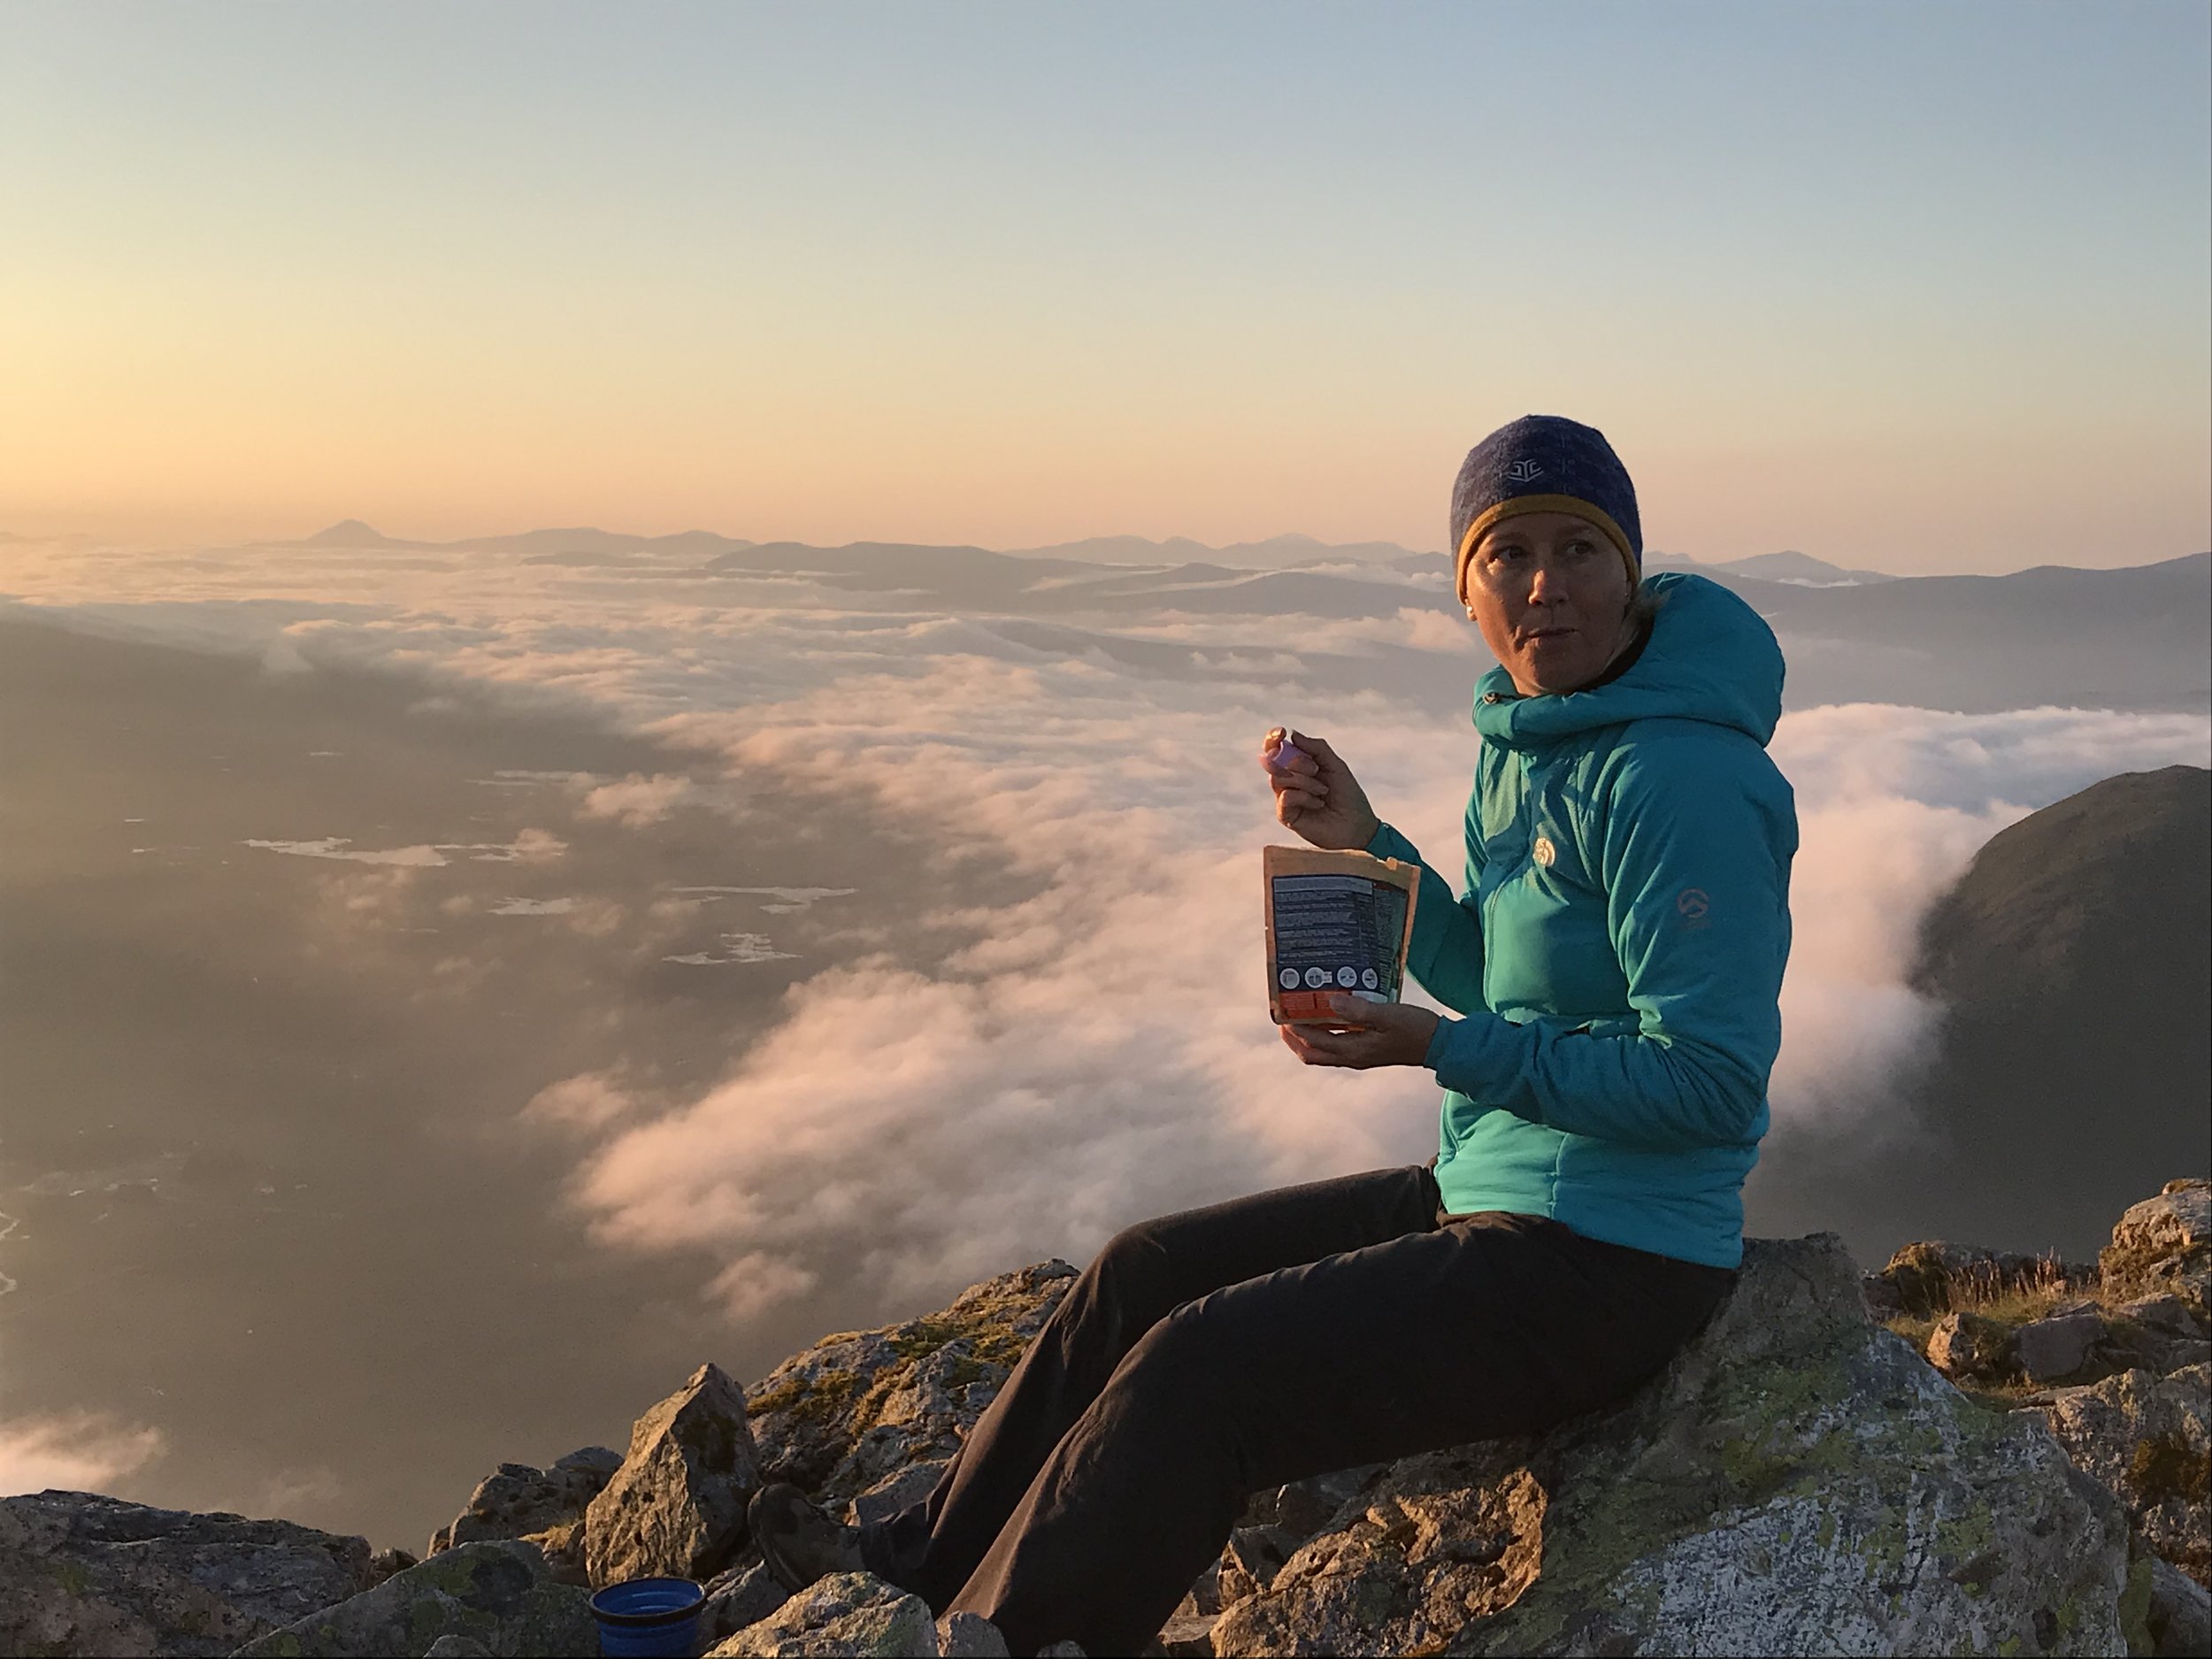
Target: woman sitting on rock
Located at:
point(1614, 968)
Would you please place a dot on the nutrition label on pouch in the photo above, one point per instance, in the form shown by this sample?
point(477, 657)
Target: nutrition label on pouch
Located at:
point(1334, 934)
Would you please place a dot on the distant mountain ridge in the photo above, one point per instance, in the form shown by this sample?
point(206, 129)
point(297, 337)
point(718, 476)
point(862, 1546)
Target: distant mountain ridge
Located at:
point(2133, 637)
point(1274, 553)
point(1277, 552)
point(1786, 568)
point(583, 544)
point(1789, 567)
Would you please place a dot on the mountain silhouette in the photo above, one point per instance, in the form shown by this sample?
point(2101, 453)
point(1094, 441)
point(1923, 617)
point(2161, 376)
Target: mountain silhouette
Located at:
point(2108, 890)
point(583, 545)
point(2135, 637)
point(353, 532)
point(1276, 552)
point(2072, 959)
point(2130, 637)
point(2073, 1061)
point(1788, 567)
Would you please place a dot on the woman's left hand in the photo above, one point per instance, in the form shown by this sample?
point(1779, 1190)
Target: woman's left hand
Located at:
point(1390, 1033)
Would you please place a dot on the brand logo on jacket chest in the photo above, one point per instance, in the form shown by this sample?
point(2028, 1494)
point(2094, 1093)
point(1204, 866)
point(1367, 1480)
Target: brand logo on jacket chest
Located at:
point(1544, 852)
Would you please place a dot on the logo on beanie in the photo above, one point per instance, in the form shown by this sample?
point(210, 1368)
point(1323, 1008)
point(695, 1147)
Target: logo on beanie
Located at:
point(1521, 472)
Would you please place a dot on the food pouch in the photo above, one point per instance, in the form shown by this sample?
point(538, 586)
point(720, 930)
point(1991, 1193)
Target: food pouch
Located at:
point(1337, 924)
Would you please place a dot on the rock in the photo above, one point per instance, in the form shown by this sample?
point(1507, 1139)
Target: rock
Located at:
point(1881, 1295)
point(563, 1548)
point(456, 1648)
point(385, 1563)
point(84, 1574)
point(597, 1462)
point(2159, 1334)
point(842, 1617)
point(1203, 1599)
point(1969, 1348)
point(1796, 1481)
point(1250, 1560)
point(515, 1499)
point(1918, 1278)
point(972, 1636)
point(676, 1507)
point(895, 1490)
point(1060, 1650)
point(858, 1407)
point(2163, 1246)
point(1186, 1636)
point(744, 1594)
point(2148, 1440)
point(2166, 1314)
point(1304, 1507)
point(2058, 1347)
point(497, 1593)
point(1444, 1538)
point(2180, 1614)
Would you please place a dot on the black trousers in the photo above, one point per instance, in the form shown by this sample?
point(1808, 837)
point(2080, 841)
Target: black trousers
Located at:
point(1210, 1355)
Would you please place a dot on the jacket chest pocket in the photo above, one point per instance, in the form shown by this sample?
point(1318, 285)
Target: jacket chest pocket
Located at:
point(1542, 839)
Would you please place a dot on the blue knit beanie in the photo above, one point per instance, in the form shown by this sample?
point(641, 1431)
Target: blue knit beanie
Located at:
point(1544, 464)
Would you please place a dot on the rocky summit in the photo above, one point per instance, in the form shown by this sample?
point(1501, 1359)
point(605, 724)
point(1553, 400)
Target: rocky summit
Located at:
point(1964, 1452)
point(1800, 1481)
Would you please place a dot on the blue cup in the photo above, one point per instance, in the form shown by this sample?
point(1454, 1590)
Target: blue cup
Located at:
point(654, 1618)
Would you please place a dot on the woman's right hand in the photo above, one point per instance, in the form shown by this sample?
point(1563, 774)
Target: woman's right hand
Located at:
point(1317, 798)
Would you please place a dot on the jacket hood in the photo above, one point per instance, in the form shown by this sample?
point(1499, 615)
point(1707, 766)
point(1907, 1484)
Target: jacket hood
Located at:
point(1710, 658)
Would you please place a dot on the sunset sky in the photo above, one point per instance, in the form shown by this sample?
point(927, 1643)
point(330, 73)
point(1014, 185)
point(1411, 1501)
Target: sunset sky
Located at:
point(1917, 288)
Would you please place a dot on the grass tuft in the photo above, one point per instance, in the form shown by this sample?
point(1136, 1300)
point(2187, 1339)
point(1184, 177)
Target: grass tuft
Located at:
point(2010, 1300)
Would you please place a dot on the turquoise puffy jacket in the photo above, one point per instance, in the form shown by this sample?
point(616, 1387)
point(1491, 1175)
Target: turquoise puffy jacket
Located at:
point(1617, 957)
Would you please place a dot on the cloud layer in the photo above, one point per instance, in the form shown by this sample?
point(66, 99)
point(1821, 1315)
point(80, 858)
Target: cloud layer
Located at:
point(1098, 1052)
point(1076, 1036)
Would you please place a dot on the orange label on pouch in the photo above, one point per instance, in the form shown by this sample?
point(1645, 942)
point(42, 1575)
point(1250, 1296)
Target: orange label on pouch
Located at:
point(1312, 1007)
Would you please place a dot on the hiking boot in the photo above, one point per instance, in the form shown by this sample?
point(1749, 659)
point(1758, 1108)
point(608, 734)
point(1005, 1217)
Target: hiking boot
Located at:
point(797, 1541)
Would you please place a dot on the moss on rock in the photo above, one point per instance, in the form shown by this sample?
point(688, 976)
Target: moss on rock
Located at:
point(1796, 1482)
point(2167, 1466)
point(497, 1592)
point(856, 1407)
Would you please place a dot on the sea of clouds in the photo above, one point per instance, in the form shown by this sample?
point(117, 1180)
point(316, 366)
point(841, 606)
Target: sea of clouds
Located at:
point(1094, 1048)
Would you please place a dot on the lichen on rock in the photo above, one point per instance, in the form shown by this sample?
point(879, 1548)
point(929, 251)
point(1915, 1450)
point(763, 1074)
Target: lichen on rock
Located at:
point(1796, 1481)
point(677, 1504)
point(845, 1615)
point(1443, 1537)
point(81, 1573)
point(860, 1406)
point(520, 1500)
point(2164, 1245)
point(2148, 1440)
point(497, 1593)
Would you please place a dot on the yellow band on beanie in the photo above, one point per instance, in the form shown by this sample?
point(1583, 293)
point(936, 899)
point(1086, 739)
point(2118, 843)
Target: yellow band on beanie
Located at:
point(1514, 506)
